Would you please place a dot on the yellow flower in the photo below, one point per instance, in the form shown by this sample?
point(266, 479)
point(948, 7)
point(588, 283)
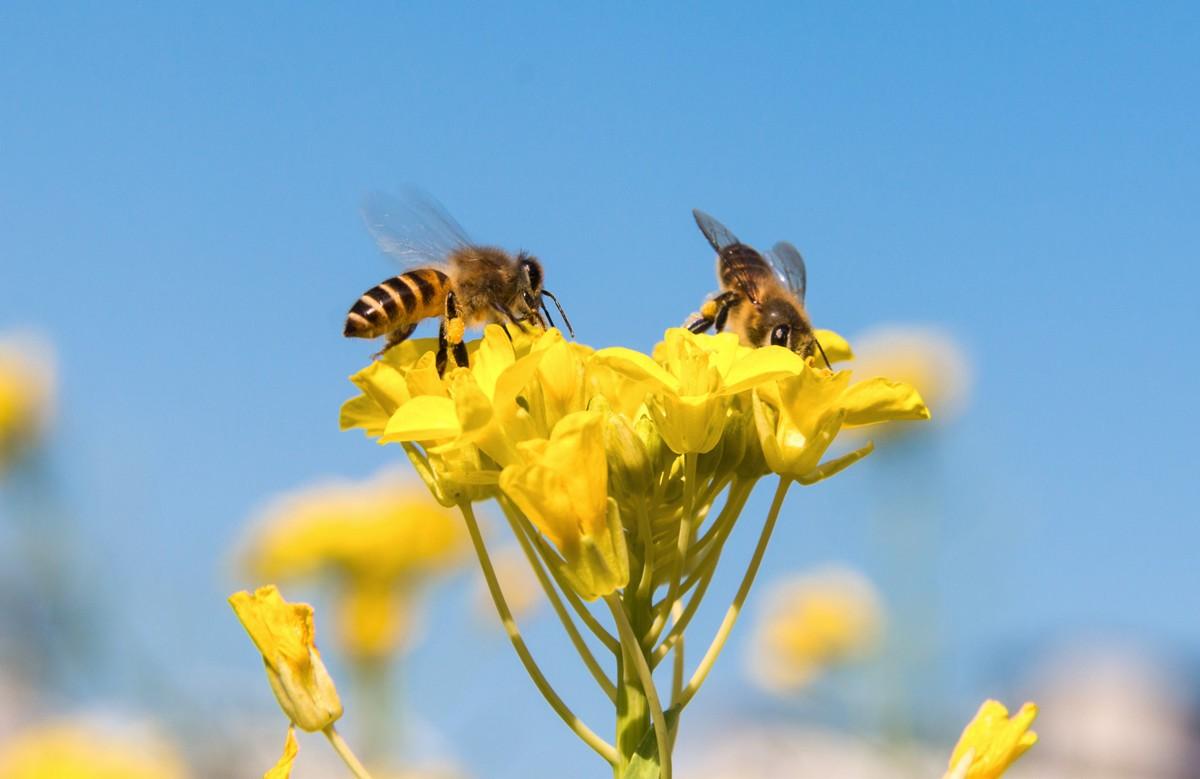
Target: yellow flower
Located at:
point(562, 486)
point(26, 396)
point(992, 742)
point(283, 768)
point(86, 750)
point(692, 378)
point(283, 633)
point(378, 541)
point(799, 416)
point(926, 357)
point(813, 622)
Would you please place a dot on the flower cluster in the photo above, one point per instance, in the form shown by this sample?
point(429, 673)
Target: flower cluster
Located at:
point(590, 445)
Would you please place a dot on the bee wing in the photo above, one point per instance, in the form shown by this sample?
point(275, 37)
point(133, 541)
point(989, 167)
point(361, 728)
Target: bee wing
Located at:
point(789, 266)
point(413, 228)
point(718, 235)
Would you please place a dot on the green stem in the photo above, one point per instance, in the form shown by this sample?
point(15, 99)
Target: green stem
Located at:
point(735, 608)
point(634, 655)
point(588, 736)
point(345, 753)
point(520, 531)
point(681, 544)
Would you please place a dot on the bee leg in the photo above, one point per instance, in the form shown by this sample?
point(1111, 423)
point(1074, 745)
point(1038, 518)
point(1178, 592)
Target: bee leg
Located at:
point(714, 312)
point(725, 301)
point(443, 345)
point(452, 333)
point(396, 336)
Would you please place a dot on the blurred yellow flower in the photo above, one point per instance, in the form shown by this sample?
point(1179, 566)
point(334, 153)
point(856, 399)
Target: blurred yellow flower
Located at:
point(377, 540)
point(26, 395)
point(562, 486)
point(88, 750)
point(283, 768)
point(812, 622)
point(992, 742)
point(926, 357)
point(283, 633)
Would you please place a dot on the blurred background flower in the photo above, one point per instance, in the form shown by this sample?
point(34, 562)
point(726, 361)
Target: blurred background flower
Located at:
point(90, 748)
point(27, 389)
point(812, 622)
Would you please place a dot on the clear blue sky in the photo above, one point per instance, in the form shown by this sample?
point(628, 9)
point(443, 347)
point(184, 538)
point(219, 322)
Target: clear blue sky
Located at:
point(178, 211)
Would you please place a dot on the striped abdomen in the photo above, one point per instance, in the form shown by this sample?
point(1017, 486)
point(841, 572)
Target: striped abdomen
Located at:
point(740, 267)
point(399, 302)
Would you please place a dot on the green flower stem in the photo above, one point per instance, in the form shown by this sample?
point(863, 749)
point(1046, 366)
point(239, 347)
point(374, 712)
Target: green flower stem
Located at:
point(645, 588)
point(739, 599)
point(608, 639)
point(344, 752)
point(682, 543)
point(589, 737)
point(634, 655)
point(677, 666)
point(520, 530)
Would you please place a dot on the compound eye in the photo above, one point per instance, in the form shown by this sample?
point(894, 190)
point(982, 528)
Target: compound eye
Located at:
point(781, 336)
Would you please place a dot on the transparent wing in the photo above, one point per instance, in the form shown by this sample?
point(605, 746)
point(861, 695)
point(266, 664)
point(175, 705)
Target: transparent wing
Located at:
point(789, 265)
point(717, 234)
point(412, 228)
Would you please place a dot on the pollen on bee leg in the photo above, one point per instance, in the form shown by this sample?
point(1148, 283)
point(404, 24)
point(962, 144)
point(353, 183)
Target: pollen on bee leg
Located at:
point(455, 330)
point(709, 309)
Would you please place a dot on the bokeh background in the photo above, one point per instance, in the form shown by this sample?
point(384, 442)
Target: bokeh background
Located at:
point(179, 226)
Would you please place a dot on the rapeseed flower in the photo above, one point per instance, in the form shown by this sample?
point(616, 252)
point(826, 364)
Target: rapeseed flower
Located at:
point(377, 542)
point(992, 742)
point(622, 475)
point(927, 357)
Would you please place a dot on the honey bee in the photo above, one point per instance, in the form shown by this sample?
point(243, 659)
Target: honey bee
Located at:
point(465, 284)
point(762, 297)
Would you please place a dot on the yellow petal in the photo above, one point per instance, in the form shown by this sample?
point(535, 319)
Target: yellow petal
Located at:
point(637, 367)
point(363, 412)
point(283, 768)
point(881, 400)
point(992, 742)
point(837, 349)
point(761, 365)
point(383, 384)
point(424, 418)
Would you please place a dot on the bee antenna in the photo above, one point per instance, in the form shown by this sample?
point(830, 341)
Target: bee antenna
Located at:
point(549, 318)
point(558, 305)
point(821, 349)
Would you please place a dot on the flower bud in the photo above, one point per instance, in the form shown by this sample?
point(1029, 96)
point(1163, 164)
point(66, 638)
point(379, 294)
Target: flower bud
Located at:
point(629, 473)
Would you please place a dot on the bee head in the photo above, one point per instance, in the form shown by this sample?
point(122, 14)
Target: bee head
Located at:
point(531, 274)
point(532, 292)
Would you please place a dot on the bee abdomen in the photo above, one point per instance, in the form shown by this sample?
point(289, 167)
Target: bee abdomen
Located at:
point(740, 265)
point(400, 301)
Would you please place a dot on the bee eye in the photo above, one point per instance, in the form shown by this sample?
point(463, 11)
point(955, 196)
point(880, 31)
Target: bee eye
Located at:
point(780, 336)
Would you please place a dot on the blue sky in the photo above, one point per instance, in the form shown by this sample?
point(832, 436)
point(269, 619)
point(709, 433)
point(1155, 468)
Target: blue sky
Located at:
point(178, 212)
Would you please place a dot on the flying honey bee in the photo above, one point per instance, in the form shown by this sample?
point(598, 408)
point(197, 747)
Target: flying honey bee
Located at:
point(761, 298)
point(465, 284)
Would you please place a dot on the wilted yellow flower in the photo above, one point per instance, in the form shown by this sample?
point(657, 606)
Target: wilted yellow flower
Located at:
point(562, 486)
point(377, 541)
point(812, 622)
point(283, 768)
point(26, 395)
point(283, 633)
point(86, 750)
point(992, 742)
point(925, 357)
